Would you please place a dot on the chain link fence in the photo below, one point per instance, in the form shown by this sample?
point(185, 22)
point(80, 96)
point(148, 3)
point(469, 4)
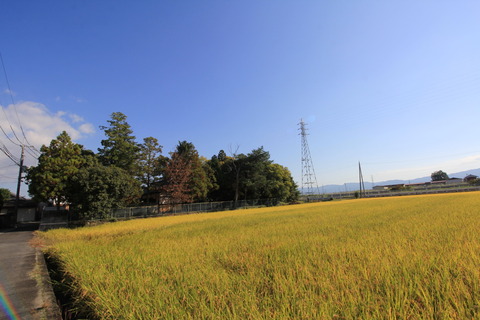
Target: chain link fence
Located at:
point(187, 208)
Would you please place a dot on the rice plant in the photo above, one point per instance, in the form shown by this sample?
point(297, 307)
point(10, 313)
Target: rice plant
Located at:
point(412, 257)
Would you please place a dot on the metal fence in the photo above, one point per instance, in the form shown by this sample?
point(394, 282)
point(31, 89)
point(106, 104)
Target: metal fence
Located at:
point(388, 193)
point(186, 208)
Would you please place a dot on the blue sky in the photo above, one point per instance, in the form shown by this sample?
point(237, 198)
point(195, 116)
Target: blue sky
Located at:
point(392, 84)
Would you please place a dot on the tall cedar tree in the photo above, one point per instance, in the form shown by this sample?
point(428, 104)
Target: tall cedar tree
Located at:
point(57, 164)
point(150, 164)
point(120, 148)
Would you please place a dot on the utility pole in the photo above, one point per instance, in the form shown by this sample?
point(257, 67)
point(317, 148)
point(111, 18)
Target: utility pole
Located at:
point(360, 178)
point(20, 171)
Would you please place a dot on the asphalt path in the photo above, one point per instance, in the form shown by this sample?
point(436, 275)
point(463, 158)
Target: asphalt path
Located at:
point(25, 291)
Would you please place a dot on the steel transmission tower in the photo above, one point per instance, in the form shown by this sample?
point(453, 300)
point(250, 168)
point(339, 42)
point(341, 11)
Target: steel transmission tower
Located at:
point(309, 180)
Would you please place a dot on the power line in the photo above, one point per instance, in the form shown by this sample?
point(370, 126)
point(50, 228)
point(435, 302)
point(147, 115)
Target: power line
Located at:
point(7, 152)
point(10, 165)
point(33, 155)
point(16, 113)
point(6, 177)
point(6, 135)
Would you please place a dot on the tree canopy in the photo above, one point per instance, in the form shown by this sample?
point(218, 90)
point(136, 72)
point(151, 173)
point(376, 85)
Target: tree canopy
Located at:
point(439, 176)
point(150, 163)
point(57, 164)
point(95, 190)
point(93, 184)
point(199, 182)
point(5, 195)
point(251, 176)
point(119, 148)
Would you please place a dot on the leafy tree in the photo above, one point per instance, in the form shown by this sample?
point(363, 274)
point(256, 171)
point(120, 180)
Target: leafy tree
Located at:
point(280, 184)
point(439, 176)
point(97, 189)
point(222, 156)
point(5, 195)
point(237, 163)
point(120, 148)
point(151, 163)
point(57, 164)
point(199, 182)
point(254, 180)
point(177, 177)
point(221, 166)
point(251, 176)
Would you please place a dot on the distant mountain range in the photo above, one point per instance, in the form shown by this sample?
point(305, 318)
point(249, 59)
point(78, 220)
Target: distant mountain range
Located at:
point(352, 186)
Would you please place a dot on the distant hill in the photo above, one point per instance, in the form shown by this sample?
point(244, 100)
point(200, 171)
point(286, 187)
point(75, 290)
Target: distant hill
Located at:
point(352, 186)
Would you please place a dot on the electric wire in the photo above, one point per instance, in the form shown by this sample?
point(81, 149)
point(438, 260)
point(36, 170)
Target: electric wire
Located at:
point(6, 177)
point(9, 166)
point(14, 106)
point(26, 145)
point(28, 152)
point(10, 155)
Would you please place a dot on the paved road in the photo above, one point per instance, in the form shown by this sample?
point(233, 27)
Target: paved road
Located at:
point(24, 289)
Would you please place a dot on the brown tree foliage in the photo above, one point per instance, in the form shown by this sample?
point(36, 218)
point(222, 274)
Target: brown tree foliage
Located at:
point(177, 177)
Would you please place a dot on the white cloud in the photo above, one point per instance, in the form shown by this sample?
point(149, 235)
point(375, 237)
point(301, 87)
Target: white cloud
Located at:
point(8, 91)
point(39, 126)
point(77, 99)
point(76, 118)
point(86, 128)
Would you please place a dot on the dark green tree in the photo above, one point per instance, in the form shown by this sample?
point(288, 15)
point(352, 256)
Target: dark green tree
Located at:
point(254, 178)
point(120, 148)
point(97, 189)
point(439, 176)
point(151, 163)
point(57, 164)
point(221, 167)
point(5, 195)
point(251, 176)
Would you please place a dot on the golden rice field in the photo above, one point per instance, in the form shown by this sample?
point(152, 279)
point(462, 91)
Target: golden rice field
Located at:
point(412, 257)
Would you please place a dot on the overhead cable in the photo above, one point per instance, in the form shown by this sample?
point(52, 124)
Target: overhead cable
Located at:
point(16, 112)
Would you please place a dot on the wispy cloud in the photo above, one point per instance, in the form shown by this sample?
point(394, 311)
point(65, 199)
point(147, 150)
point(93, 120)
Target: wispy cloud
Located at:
point(70, 99)
point(86, 128)
point(450, 166)
point(8, 91)
point(77, 99)
point(76, 118)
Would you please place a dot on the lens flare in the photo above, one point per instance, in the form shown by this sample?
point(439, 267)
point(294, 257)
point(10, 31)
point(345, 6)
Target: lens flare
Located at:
point(6, 305)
